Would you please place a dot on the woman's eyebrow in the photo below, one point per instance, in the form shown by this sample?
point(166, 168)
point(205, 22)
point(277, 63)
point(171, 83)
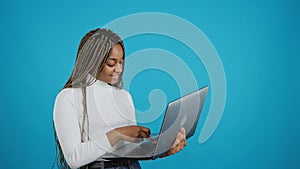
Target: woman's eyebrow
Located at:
point(113, 58)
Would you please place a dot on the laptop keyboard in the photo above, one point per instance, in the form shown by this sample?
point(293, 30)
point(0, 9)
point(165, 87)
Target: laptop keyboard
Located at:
point(143, 149)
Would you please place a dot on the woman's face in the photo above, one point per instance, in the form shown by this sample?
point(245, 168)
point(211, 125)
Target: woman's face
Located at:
point(113, 66)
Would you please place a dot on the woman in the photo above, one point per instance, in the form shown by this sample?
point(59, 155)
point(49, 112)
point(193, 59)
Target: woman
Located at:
point(93, 114)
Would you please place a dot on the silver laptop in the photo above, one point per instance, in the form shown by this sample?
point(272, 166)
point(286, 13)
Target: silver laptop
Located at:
point(183, 112)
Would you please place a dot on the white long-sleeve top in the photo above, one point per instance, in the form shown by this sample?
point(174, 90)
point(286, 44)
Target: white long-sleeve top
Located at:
point(107, 108)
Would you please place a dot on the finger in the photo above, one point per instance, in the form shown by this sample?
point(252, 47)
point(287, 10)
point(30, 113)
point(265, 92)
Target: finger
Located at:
point(175, 143)
point(146, 130)
point(181, 136)
point(153, 141)
point(169, 152)
point(180, 141)
point(184, 143)
point(178, 147)
point(181, 145)
point(143, 134)
point(175, 150)
point(177, 140)
point(182, 130)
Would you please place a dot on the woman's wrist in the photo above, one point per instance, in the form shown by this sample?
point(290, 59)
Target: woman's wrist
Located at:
point(113, 136)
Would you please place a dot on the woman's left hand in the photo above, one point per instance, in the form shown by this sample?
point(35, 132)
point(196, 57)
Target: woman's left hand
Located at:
point(178, 144)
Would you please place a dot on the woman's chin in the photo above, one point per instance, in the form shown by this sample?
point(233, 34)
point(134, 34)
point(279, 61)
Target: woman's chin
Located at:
point(113, 82)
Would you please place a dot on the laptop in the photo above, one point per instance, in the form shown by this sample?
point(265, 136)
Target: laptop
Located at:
point(183, 112)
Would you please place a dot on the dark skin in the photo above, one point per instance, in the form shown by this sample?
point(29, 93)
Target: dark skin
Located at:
point(134, 133)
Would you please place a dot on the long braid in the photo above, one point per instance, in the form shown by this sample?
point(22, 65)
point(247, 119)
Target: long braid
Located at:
point(85, 116)
point(85, 119)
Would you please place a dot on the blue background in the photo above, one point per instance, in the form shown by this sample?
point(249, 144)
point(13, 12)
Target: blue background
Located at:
point(257, 41)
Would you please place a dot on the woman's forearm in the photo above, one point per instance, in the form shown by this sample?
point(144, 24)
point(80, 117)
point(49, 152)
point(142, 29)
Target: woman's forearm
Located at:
point(113, 137)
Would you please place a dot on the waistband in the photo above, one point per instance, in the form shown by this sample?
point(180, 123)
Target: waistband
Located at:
point(109, 164)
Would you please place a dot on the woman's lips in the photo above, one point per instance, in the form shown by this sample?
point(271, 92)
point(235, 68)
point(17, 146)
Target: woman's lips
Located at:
point(115, 77)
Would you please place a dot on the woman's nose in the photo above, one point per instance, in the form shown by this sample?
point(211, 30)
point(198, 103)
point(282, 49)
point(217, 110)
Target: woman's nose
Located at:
point(119, 68)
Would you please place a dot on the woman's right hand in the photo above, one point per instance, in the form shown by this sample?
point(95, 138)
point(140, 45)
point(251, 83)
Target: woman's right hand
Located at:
point(132, 133)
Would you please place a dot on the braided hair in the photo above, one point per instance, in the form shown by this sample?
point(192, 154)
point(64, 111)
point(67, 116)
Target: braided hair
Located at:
point(93, 52)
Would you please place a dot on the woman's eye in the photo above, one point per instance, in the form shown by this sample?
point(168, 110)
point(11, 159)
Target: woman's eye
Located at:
point(110, 63)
